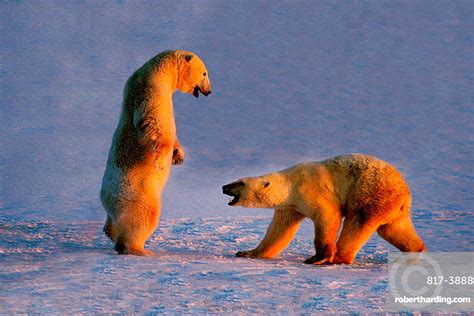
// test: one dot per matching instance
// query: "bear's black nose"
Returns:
(230, 188)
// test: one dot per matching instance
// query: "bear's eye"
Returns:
(266, 184)
(204, 74)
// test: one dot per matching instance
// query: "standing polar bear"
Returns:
(369, 193)
(145, 145)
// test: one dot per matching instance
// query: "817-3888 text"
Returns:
(451, 280)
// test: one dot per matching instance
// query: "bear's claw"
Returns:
(178, 156)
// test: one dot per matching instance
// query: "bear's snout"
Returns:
(233, 189)
(197, 89)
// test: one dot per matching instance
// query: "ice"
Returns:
(292, 81)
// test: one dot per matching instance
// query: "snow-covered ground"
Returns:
(71, 268)
(292, 81)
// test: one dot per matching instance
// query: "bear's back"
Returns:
(368, 175)
(354, 165)
(364, 170)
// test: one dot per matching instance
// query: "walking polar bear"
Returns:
(145, 145)
(369, 193)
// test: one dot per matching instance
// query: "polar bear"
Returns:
(368, 193)
(145, 145)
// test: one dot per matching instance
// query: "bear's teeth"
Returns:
(229, 200)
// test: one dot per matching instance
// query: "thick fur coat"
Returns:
(368, 193)
(145, 145)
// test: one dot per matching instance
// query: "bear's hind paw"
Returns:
(246, 254)
(317, 260)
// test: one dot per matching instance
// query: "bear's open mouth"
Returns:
(232, 189)
(233, 200)
(234, 196)
(197, 90)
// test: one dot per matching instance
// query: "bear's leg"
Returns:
(109, 229)
(353, 236)
(325, 235)
(401, 233)
(135, 228)
(279, 234)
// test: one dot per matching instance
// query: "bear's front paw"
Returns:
(246, 254)
(178, 156)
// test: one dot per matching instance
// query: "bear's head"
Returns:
(193, 75)
(267, 191)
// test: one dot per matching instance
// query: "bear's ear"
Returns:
(188, 57)
(266, 184)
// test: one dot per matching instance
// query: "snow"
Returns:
(72, 269)
(291, 82)
(64, 268)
